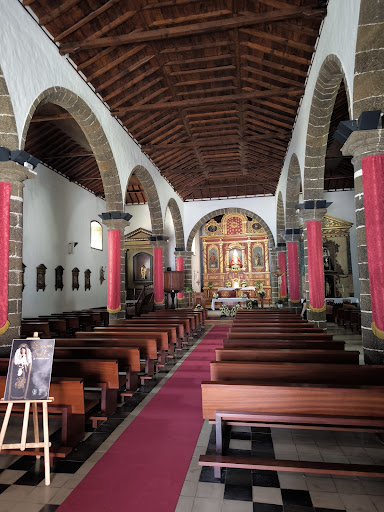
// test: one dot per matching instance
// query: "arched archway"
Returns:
(280, 218)
(292, 193)
(152, 197)
(177, 223)
(327, 85)
(94, 133)
(223, 211)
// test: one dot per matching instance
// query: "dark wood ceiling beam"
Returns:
(216, 69)
(85, 20)
(54, 13)
(198, 60)
(55, 117)
(212, 80)
(273, 76)
(284, 41)
(292, 27)
(131, 84)
(269, 120)
(218, 112)
(95, 58)
(215, 120)
(215, 99)
(276, 53)
(200, 92)
(168, 3)
(188, 30)
(139, 91)
(197, 47)
(273, 114)
(124, 72)
(151, 128)
(153, 133)
(121, 18)
(115, 62)
(147, 120)
(168, 132)
(275, 65)
(199, 17)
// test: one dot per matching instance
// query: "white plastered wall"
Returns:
(51, 221)
(31, 64)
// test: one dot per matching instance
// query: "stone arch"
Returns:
(327, 85)
(177, 222)
(152, 196)
(280, 218)
(292, 193)
(368, 93)
(223, 211)
(94, 133)
(8, 130)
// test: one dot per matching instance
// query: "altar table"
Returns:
(230, 301)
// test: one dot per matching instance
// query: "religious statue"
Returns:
(143, 271)
(212, 260)
(235, 260)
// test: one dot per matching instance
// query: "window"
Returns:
(96, 235)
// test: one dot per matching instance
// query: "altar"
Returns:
(229, 301)
(235, 257)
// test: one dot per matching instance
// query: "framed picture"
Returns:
(258, 257)
(142, 267)
(213, 258)
(29, 370)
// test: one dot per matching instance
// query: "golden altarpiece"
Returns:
(235, 255)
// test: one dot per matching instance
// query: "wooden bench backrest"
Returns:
(367, 401)
(186, 322)
(65, 391)
(289, 355)
(283, 335)
(93, 371)
(171, 331)
(282, 343)
(126, 356)
(147, 347)
(153, 322)
(160, 337)
(28, 328)
(274, 328)
(317, 373)
(193, 319)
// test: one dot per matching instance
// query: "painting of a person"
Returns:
(20, 372)
(143, 271)
(212, 259)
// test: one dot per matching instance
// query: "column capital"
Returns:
(116, 221)
(14, 172)
(292, 235)
(184, 254)
(313, 214)
(364, 143)
(281, 247)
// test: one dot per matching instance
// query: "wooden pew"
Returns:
(283, 372)
(147, 347)
(28, 328)
(251, 328)
(153, 322)
(273, 343)
(170, 333)
(85, 320)
(198, 315)
(289, 355)
(69, 402)
(128, 359)
(186, 322)
(161, 339)
(282, 335)
(318, 406)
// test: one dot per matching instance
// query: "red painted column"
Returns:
(158, 275)
(315, 266)
(373, 186)
(293, 272)
(283, 272)
(5, 200)
(180, 266)
(113, 294)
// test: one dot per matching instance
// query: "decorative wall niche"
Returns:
(40, 277)
(75, 278)
(87, 279)
(59, 278)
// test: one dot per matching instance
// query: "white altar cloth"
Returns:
(230, 301)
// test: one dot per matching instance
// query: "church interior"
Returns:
(190, 208)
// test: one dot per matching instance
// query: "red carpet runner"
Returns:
(145, 468)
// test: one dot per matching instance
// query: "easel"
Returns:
(45, 444)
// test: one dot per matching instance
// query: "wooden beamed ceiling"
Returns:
(209, 89)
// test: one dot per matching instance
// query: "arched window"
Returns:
(96, 235)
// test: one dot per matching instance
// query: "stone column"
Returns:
(159, 243)
(361, 144)
(14, 174)
(274, 278)
(282, 270)
(116, 271)
(187, 262)
(313, 259)
(292, 238)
